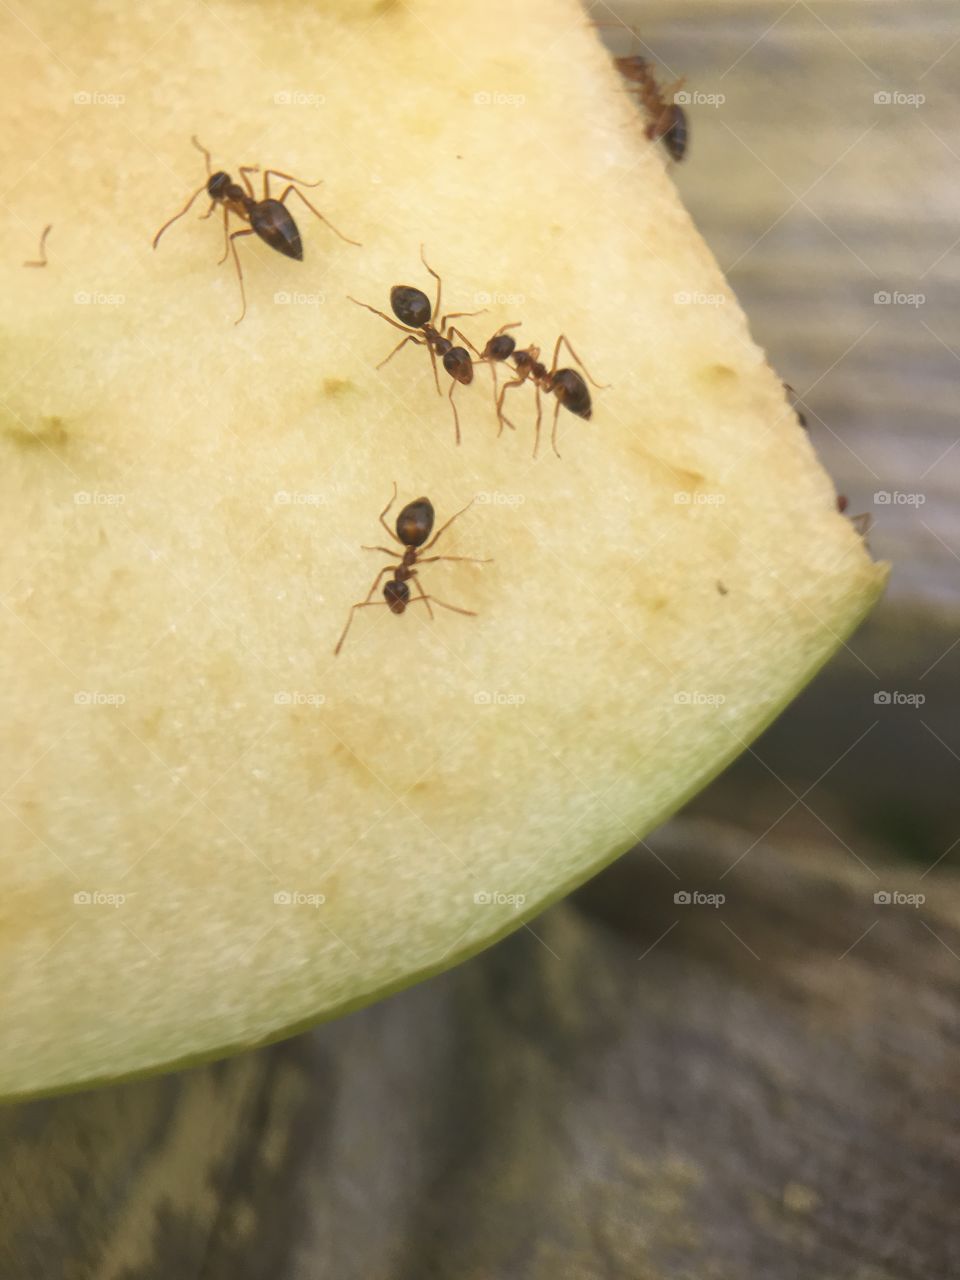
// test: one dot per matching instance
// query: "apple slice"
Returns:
(216, 832)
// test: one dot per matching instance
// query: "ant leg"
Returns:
(469, 613)
(313, 209)
(206, 154)
(404, 328)
(436, 305)
(423, 596)
(246, 231)
(433, 361)
(226, 237)
(171, 221)
(287, 177)
(556, 423)
(602, 386)
(536, 438)
(501, 416)
(461, 334)
(456, 417)
(384, 512)
(464, 559)
(364, 604)
(243, 171)
(402, 343)
(456, 514)
(203, 217)
(386, 551)
(455, 315)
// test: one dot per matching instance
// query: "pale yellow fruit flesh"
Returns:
(654, 598)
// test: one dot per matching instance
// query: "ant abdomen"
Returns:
(500, 347)
(274, 225)
(458, 364)
(415, 522)
(571, 390)
(397, 595)
(411, 306)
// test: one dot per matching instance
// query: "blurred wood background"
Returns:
(632, 1088)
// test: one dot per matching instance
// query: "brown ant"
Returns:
(666, 120)
(269, 219)
(413, 527)
(795, 405)
(412, 308)
(861, 523)
(42, 260)
(566, 384)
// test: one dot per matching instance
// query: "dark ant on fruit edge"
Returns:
(268, 218)
(666, 119)
(566, 385)
(862, 522)
(795, 405)
(413, 527)
(413, 310)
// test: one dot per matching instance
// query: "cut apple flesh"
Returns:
(216, 832)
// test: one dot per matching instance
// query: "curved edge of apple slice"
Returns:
(475, 947)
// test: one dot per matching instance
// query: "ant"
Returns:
(861, 523)
(795, 405)
(269, 219)
(666, 120)
(42, 260)
(566, 384)
(412, 308)
(413, 527)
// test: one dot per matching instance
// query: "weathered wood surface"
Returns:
(636, 1089)
(644, 1090)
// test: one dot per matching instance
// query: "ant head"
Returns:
(411, 306)
(458, 364)
(500, 347)
(415, 522)
(571, 391)
(397, 595)
(217, 185)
